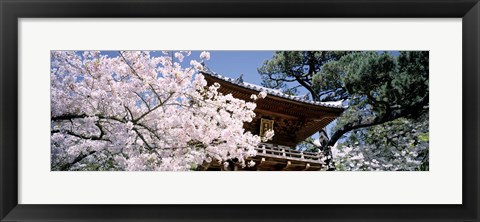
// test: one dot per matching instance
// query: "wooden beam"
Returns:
(277, 114)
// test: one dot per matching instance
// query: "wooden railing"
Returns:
(265, 149)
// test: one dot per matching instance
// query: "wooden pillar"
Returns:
(225, 166)
(261, 162)
(307, 166)
(206, 166)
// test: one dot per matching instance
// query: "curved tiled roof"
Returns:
(269, 91)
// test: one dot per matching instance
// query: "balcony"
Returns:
(272, 157)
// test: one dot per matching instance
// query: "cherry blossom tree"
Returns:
(139, 112)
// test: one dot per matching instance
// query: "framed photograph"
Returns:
(324, 110)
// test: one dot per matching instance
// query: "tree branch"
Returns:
(70, 116)
(413, 111)
(81, 136)
(133, 70)
(145, 102)
(153, 109)
(308, 87)
(67, 166)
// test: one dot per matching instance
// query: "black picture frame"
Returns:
(11, 11)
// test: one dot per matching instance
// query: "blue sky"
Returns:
(234, 63)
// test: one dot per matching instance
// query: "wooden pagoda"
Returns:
(292, 118)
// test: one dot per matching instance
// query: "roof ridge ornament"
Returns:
(306, 97)
(205, 67)
(239, 79)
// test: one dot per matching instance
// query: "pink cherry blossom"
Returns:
(205, 55)
(179, 56)
(262, 95)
